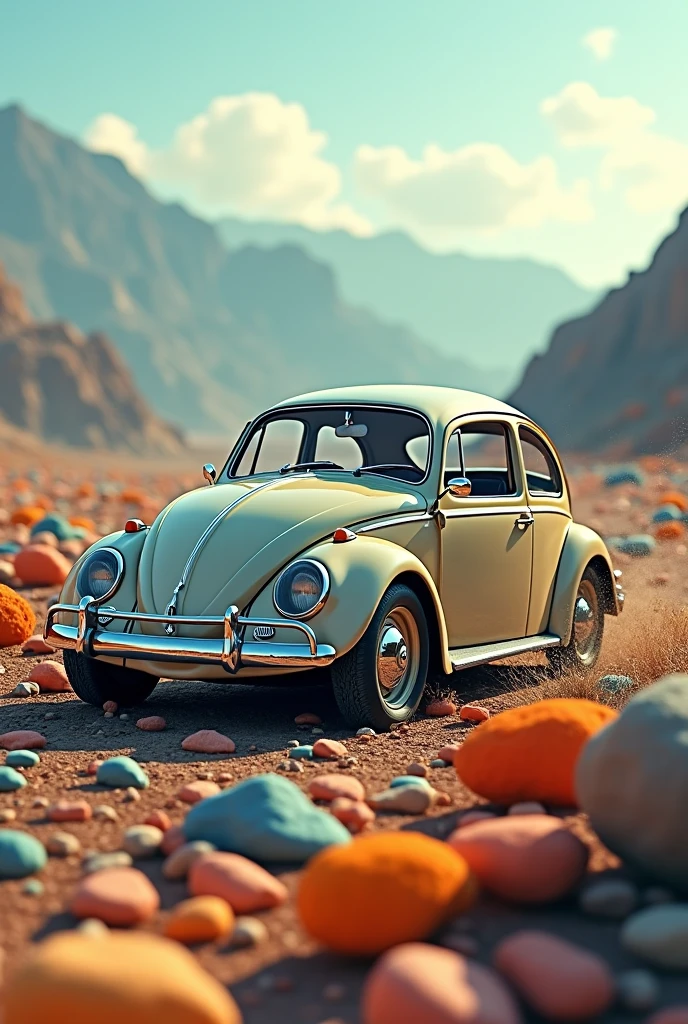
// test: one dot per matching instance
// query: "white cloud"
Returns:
(251, 154)
(600, 42)
(651, 168)
(479, 187)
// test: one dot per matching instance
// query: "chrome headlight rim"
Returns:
(324, 591)
(119, 561)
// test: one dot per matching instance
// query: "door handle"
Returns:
(525, 519)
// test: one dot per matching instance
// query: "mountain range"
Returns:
(621, 371)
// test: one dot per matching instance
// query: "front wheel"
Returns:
(97, 681)
(583, 649)
(380, 681)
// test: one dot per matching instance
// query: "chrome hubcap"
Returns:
(585, 619)
(398, 653)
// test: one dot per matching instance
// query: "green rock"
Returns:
(10, 780)
(121, 772)
(22, 759)
(21, 854)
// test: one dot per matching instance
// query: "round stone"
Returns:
(10, 779)
(153, 723)
(21, 854)
(248, 931)
(329, 787)
(200, 919)
(609, 897)
(50, 677)
(180, 860)
(659, 935)
(121, 773)
(638, 990)
(22, 738)
(329, 750)
(409, 799)
(193, 792)
(208, 741)
(63, 844)
(117, 896)
(22, 759)
(527, 807)
(101, 861)
(246, 886)
(304, 752)
(355, 814)
(70, 810)
(142, 840)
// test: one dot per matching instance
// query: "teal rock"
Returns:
(58, 526)
(615, 684)
(10, 780)
(409, 780)
(121, 772)
(639, 545)
(22, 759)
(303, 752)
(624, 475)
(667, 514)
(632, 782)
(33, 887)
(20, 854)
(267, 819)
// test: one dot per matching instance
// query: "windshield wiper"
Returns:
(289, 468)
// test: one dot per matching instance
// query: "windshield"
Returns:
(359, 439)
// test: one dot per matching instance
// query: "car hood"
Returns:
(232, 538)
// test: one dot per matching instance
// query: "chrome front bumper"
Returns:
(231, 651)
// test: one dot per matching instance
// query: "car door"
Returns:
(549, 505)
(486, 540)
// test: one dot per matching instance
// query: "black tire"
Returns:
(361, 697)
(583, 649)
(97, 681)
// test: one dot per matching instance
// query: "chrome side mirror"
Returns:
(459, 487)
(210, 473)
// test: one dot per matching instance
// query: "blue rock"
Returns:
(122, 772)
(615, 684)
(10, 780)
(302, 753)
(667, 514)
(408, 780)
(22, 759)
(267, 819)
(639, 545)
(20, 854)
(33, 887)
(624, 475)
(57, 525)
(10, 548)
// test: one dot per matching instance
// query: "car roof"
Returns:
(439, 404)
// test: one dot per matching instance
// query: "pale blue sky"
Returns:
(399, 74)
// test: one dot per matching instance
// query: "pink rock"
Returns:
(22, 739)
(246, 886)
(39, 565)
(524, 858)
(470, 817)
(559, 980)
(447, 753)
(159, 819)
(193, 792)
(415, 982)
(670, 1015)
(328, 787)
(355, 814)
(441, 708)
(92, 767)
(70, 810)
(118, 896)
(50, 676)
(330, 750)
(420, 770)
(308, 718)
(110, 707)
(473, 713)
(154, 723)
(36, 645)
(208, 741)
(174, 838)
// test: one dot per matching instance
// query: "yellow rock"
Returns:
(127, 978)
(200, 919)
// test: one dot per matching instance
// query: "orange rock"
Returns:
(193, 792)
(27, 515)
(441, 708)
(246, 886)
(41, 566)
(111, 706)
(174, 838)
(328, 787)
(523, 858)
(208, 741)
(355, 814)
(17, 619)
(200, 919)
(382, 889)
(557, 979)
(36, 645)
(330, 750)
(159, 819)
(530, 752)
(117, 896)
(68, 810)
(84, 522)
(674, 498)
(447, 753)
(50, 676)
(154, 723)
(672, 530)
(473, 713)
(22, 739)
(119, 976)
(308, 718)
(420, 984)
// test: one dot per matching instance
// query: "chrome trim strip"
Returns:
(466, 657)
(487, 510)
(555, 509)
(379, 524)
(230, 650)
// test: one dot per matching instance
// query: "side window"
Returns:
(542, 473)
(342, 450)
(274, 444)
(487, 459)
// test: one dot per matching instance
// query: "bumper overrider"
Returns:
(232, 651)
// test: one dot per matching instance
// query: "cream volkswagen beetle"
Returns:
(379, 532)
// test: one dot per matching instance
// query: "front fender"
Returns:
(581, 547)
(130, 545)
(360, 572)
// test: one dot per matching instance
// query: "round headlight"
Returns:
(100, 574)
(301, 589)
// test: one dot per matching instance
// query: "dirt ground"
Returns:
(287, 978)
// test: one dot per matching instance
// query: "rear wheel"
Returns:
(583, 649)
(97, 681)
(380, 681)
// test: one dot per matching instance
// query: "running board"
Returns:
(466, 657)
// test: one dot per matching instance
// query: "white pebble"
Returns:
(63, 844)
(248, 931)
(142, 840)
